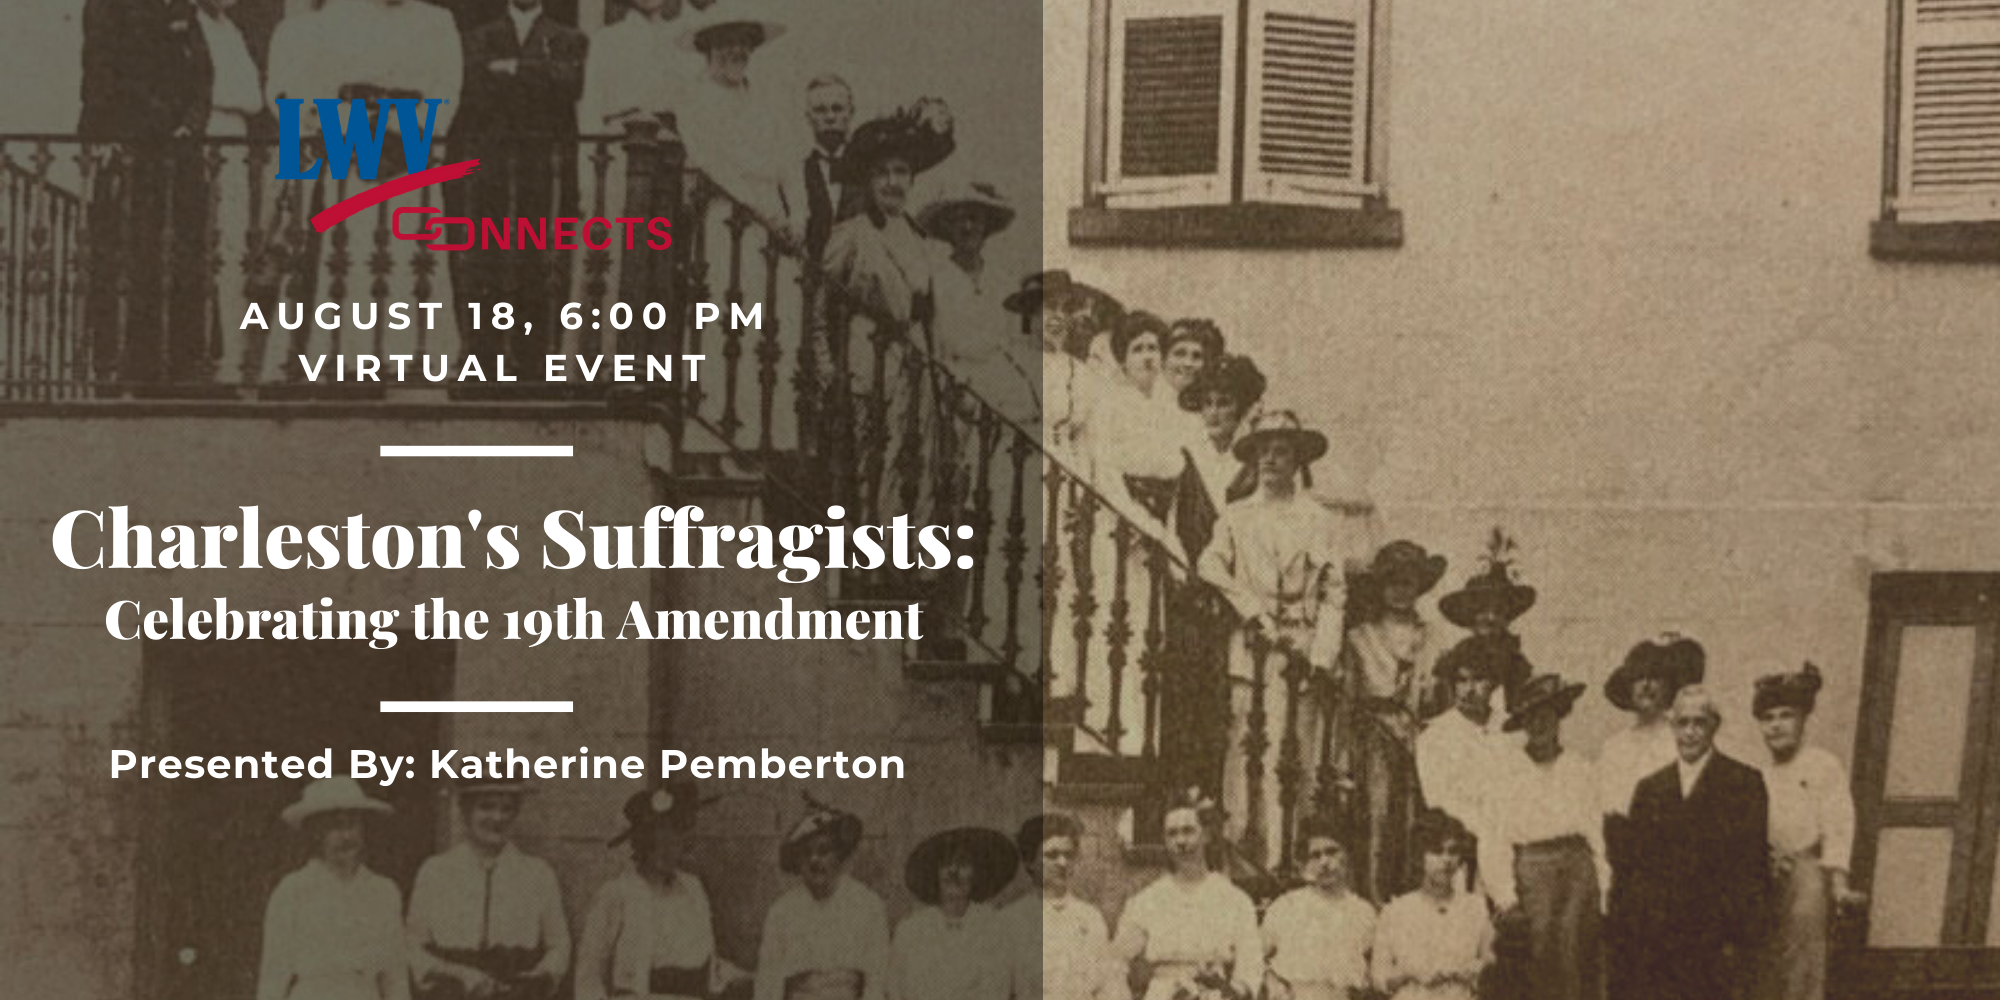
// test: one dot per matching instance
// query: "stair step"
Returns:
(1023, 733)
(954, 670)
(1098, 792)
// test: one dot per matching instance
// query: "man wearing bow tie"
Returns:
(146, 82)
(830, 113)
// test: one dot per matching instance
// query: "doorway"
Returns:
(212, 850)
(1927, 790)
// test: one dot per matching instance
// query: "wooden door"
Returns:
(1927, 783)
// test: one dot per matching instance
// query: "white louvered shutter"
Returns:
(1172, 114)
(1306, 138)
(1950, 143)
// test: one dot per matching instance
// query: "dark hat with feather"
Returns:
(919, 135)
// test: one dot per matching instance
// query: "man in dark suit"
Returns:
(523, 76)
(1692, 893)
(146, 82)
(830, 113)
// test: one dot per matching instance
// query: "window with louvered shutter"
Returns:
(1171, 119)
(1949, 147)
(1307, 129)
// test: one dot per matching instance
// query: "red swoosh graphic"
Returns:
(334, 213)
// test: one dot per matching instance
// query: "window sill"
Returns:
(1244, 226)
(1958, 242)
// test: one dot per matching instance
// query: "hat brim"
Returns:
(773, 30)
(1618, 687)
(996, 215)
(1462, 607)
(492, 788)
(1424, 575)
(994, 861)
(1564, 698)
(296, 814)
(1311, 445)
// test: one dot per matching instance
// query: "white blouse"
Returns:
(1417, 936)
(328, 937)
(1207, 922)
(1629, 756)
(1061, 948)
(849, 930)
(635, 926)
(937, 958)
(1285, 558)
(633, 69)
(1534, 802)
(1317, 940)
(1811, 805)
(459, 903)
(237, 93)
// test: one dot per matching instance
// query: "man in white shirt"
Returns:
(485, 918)
(1542, 852)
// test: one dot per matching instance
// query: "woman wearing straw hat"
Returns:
(1812, 836)
(1542, 852)
(486, 918)
(826, 938)
(650, 932)
(1280, 557)
(732, 130)
(953, 947)
(333, 928)
(1386, 675)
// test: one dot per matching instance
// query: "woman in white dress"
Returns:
(650, 932)
(334, 929)
(1281, 557)
(1192, 925)
(1644, 684)
(633, 72)
(954, 946)
(1434, 943)
(1388, 684)
(361, 49)
(1812, 838)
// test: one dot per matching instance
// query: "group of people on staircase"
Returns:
(1663, 869)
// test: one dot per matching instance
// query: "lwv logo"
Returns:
(354, 142)
(357, 143)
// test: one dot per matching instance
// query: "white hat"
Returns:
(750, 12)
(977, 196)
(332, 795)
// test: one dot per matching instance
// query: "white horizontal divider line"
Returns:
(479, 706)
(478, 451)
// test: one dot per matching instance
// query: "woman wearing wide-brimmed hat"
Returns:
(334, 929)
(1386, 690)
(953, 947)
(485, 917)
(733, 131)
(826, 938)
(650, 932)
(1281, 557)
(1812, 837)
(881, 257)
(1542, 852)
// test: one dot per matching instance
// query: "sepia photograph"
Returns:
(1285, 500)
